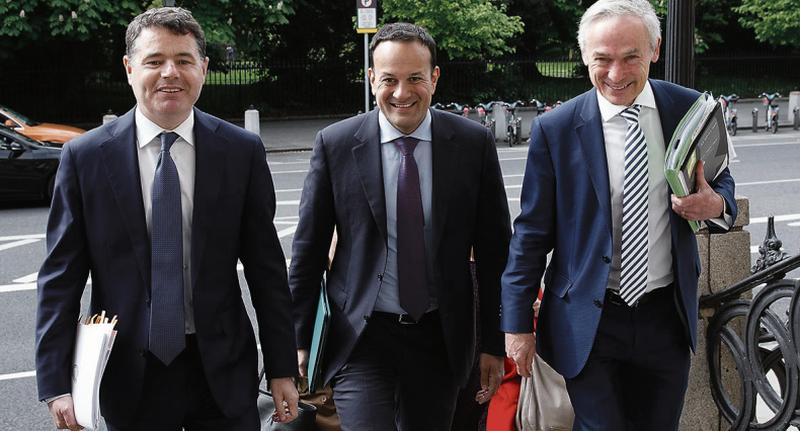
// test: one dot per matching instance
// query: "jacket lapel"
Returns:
(445, 162)
(121, 160)
(590, 131)
(210, 161)
(367, 156)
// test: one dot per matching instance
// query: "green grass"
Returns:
(558, 69)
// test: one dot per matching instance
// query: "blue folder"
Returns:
(318, 340)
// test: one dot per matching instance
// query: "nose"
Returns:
(616, 71)
(169, 69)
(400, 91)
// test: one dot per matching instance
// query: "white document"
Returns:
(92, 349)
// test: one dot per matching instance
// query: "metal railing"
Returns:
(761, 336)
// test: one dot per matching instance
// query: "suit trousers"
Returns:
(176, 397)
(637, 372)
(397, 378)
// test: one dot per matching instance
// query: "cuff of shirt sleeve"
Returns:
(51, 399)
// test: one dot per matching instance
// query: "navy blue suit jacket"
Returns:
(566, 209)
(97, 225)
(344, 189)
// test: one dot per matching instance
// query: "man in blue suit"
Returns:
(619, 312)
(158, 206)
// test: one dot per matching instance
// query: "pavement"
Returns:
(298, 134)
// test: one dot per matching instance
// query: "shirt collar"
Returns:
(389, 133)
(609, 110)
(147, 131)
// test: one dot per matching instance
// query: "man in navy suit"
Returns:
(158, 206)
(619, 312)
(403, 327)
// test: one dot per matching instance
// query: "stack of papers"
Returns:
(700, 135)
(93, 343)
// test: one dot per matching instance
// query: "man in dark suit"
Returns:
(620, 309)
(411, 192)
(158, 206)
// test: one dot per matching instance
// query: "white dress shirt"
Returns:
(659, 253)
(182, 152)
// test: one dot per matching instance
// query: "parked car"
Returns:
(45, 132)
(27, 167)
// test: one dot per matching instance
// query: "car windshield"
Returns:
(6, 111)
(19, 136)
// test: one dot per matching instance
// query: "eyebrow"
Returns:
(161, 54)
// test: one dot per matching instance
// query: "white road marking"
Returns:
(30, 278)
(22, 375)
(288, 203)
(513, 158)
(19, 237)
(778, 218)
(288, 191)
(19, 287)
(17, 243)
(766, 144)
(300, 171)
(758, 183)
(286, 232)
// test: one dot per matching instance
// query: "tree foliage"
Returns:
(776, 22)
(463, 29)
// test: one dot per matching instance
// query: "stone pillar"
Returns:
(725, 259)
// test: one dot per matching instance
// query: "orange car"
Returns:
(46, 132)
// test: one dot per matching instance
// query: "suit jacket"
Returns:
(566, 208)
(344, 189)
(97, 225)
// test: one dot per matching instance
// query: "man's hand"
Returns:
(521, 348)
(491, 376)
(703, 204)
(302, 362)
(285, 396)
(63, 413)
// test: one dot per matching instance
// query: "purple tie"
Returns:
(411, 272)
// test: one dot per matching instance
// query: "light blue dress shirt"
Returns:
(388, 297)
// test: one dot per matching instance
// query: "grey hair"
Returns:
(604, 9)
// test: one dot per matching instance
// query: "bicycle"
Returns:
(513, 122)
(729, 112)
(772, 111)
(484, 109)
(464, 110)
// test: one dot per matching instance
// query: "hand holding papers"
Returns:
(93, 343)
(700, 135)
(318, 340)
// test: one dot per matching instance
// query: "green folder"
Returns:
(318, 340)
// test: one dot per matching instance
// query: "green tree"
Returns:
(463, 29)
(776, 22)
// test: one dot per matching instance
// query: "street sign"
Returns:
(367, 16)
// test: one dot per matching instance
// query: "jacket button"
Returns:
(380, 276)
(606, 259)
(366, 317)
(147, 302)
(598, 303)
(143, 352)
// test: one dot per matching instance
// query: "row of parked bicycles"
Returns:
(487, 115)
(771, 113)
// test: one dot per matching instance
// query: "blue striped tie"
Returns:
(633, 267)
(167, 334)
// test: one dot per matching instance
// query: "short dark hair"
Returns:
(404, 32)
(175, 19)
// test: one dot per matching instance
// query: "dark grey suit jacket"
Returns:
(344, 189)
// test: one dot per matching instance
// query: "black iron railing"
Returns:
(761, 337)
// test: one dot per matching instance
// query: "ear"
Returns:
(657, 50)
(371, 76)
(126, 62)
(205, 66)
(435, 77)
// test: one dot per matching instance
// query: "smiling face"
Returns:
(618, 55)
(166, 73)
(403, 82)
